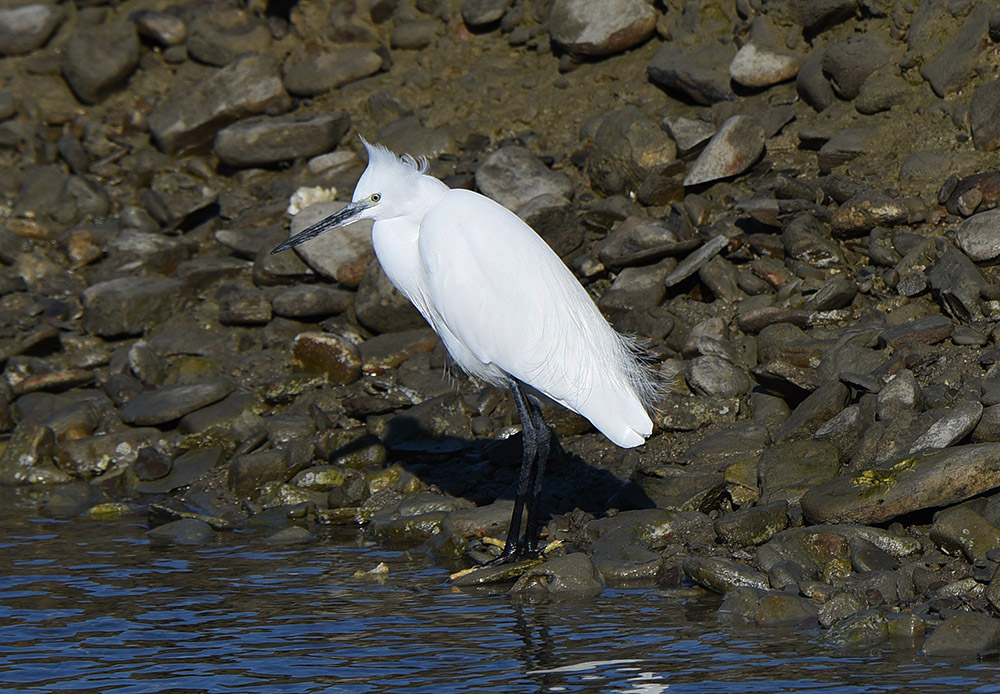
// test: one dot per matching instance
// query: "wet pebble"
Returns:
(186, 531)
(570, 577)
(964, 635)
(332, 355)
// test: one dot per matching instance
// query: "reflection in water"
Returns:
(89, 607)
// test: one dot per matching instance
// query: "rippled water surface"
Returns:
(94, 607)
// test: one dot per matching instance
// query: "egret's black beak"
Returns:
(339, 218)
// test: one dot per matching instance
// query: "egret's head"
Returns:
(385, 190)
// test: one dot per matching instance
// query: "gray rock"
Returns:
(100, 58)
(184, 470)
(964, 635)
(243, 306)
(479, 13)
(264, 140)
(952, 428)
(837, 292)
(162, 27)
(414, 35)
(570, 577)
(822, 404)
(812, 85)
(601, 28)
(838, 608)
(341, 254)
(220, 34)
(700, 73)
(731, 151)
(845, 146)
(978, 235)
(95, 455)
(848, 63)
(311, 301)
(235, 417)
(319, 72)
(628, 147)
(408, 135)
(25, 28)
(927, 331)
(901, 394)
(130, 305)
(754, 525)
(689, 134)
(950, 70)
(513, 175)
(186, 531)
(758, 66)
(817, 16)
(711, 375)
(695, 261)
(167, 403)
(882, 90)
(192, 116)
(983, 120)
(928, 479)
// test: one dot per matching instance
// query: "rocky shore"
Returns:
(793, 204)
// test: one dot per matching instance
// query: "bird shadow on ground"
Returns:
(484, 470)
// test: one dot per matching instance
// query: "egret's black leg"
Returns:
(535, 438)
(532, 531)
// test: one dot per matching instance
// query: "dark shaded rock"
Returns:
(702, 74)
(478, 13)
(755, 607)
(266, 140)
(167, 403)
(184, 470)
(552, 217)
(186, 531)
(812, 85)
(754, 525)
(848, 63)
(928, 479)
(589, 28)
(319, 72)
(822, 404)
(99, 58)
(27, 458)
(962, 530)
(964, 635)
(381, 308)
(861, 630)
(129, 305)
(816, 16)
(192, 117)
(950, 70)
(982, 114)
(787, 470)
(248, 473)
(570, 577)
(311, 301)
(220, 34)
(722, 575)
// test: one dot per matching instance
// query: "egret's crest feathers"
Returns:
(380, 158)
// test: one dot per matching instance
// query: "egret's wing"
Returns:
(509, 300)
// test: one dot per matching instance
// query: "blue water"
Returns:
(87, 606)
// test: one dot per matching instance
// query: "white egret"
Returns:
(506, 307)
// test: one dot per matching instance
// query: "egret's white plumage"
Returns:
(502, 301)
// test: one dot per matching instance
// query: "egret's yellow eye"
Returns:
(375, 197)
